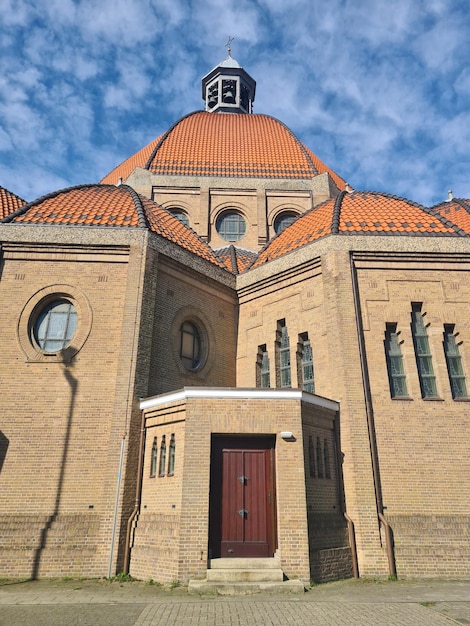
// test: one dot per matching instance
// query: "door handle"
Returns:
(242, 479)
(243, 513)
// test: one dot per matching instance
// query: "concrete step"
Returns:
(204, 587)
(237, 563)
(244, 575)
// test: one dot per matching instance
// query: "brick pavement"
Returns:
(364, 602)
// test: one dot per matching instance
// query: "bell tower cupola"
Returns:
(228, 88)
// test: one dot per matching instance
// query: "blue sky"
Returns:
(378, 89)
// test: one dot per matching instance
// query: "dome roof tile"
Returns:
(456, 210)
(226, 144)
(9, 202)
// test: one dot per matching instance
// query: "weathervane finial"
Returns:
(228, 45)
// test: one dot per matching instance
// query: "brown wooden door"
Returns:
(242, 496)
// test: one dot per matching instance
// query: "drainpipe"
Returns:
(370, 425)
(138, 494)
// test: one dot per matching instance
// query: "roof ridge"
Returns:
(139, 207)
(165, 135)
(336, 213)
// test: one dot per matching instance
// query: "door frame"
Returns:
(219, 442)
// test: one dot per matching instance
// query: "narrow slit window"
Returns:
(326, 458)
(311, 457)
(427, 380)
(171, 455)
(284, 355)
(319, 459)
(162, 464)
(457, 381)
(305, 364)
(263, 375)
(394, 357)
(153, 458)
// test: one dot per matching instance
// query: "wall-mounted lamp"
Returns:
(286, 435)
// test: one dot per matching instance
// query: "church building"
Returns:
(222, 355)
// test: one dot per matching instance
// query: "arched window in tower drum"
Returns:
(153, 458)
(171, 455)
(283, 344)
(263, 374)
(305, 372)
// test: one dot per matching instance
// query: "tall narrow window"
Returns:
(311, 457)
(262, 368)
(162, 464)
(393, 355)
(171, 456)
(153, 458)
(319, 459)
(427, 379)
(326, 458)
(283, 350)
(305, 364)
(458, 385)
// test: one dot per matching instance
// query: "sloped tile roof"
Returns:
(358, 213)
(227, 145)
(110, 206)
(457, 211)
(236, 260)
(125, 169)
(9, 202)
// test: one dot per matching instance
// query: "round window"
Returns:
(283, 220)
(231, 226)
(180, 215)
(190, 346)
(55, 326)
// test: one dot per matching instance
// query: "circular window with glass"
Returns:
(231, 225)
(55, 326)
(283, 220)
(190, 346)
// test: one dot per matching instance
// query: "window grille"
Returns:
(190, 348)
(394, 357)
(458, 385)
(427, 379)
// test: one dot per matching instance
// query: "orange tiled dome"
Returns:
(9, 202)
(457, 210)
(359, 213)
(110, 206)
(226, 145)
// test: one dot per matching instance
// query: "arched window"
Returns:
(427, 380)
(283, 373)
(231, 225)
(162, 464)
(55, 326)
(190, 345)
(283, 220)
(171, 456)
(153, 458)
(180, 215)
(458, 385)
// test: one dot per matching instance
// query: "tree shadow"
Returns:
(67, 356)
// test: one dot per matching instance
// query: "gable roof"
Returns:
(112, 207)
(456, 210)
(358, 213)
(227, 145)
